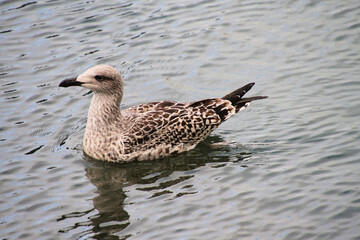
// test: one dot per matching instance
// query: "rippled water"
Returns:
(292, 170)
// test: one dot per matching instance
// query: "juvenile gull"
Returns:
(151, 130)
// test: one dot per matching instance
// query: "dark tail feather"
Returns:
(236, 99)
(236, 95)
(249, 99)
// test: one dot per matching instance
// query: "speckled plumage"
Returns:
(152, 130)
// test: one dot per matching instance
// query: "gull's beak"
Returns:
(70, 82)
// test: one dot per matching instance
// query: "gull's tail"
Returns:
(236, 97)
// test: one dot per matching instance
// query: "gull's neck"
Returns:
(104, 113)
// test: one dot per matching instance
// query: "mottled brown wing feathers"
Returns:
(147, 107)
(173, 123)
(216, 110)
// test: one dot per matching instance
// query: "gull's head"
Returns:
(101, 79)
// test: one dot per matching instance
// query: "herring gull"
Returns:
(151, 130)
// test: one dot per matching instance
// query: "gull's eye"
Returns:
(99, 78)
(102, 78)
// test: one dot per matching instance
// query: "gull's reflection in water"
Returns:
(108, 217)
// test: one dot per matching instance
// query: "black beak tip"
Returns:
(69, 82)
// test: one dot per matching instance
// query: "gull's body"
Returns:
(147, 131)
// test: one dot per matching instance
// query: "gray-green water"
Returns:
(292, 172)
